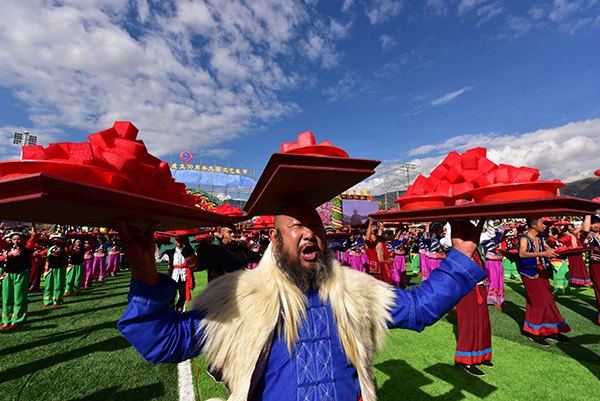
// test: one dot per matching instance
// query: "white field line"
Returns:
(186, 384)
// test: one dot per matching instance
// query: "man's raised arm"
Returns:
(155, 330)
(456, 276)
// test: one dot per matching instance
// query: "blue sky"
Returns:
(398, 81)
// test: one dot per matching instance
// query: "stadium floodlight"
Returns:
(18, 138)
(24, 139)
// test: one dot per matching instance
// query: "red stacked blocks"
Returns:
(118, 149)
(458, 174)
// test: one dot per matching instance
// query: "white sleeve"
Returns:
(446, 241)
(489, 232)
(160, 257)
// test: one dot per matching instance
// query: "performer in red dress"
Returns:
(590, 235)
(542, 318)
(474, 342)
(37, 268)
(578, 271)
(377, 252)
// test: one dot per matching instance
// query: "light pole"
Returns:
(24, 139)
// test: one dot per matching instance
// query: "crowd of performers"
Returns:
(520, 251)
(68, 259)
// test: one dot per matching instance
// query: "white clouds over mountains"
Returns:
(559, 153)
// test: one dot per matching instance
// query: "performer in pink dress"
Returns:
(88, 261)
(114, 257)
(99, 264)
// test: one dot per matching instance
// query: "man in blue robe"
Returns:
(300, 325)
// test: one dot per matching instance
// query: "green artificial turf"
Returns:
(75, 352)
(204, 385)
(420, 366)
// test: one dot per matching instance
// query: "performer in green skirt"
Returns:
(508, 245)
(509, 264)
(414, 262)
(561, 276)
(74, 268)
(55, 273)
(15, 285)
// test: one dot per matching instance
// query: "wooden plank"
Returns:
(312, 178)
(45, 198)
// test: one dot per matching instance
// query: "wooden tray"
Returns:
(184, 233)
(552, 206)
(44, 198)
(573, 251)
(313, 178)
(338, 235)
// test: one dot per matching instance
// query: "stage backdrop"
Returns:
(357, 211)
(195, 179)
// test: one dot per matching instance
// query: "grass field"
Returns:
(74, 352)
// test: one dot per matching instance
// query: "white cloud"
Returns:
(319, 48)
(337, 30)
(438, 7)
(572, 27)
(563, 9)
(519, 26)
(380, 11)
(568, 152)
(448, 97)
(387, 42)
(466, 6)
(204, 72)
(345, 90)
(143, 10)
(537, 12)
(347, 5)
(489, 12)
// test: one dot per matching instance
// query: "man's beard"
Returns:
(305, 279)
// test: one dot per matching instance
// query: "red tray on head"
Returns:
(423, 202)
(338, 235)
(239, 219)
(316, 179)
(551, 206)
(192, 232)
(44, 198)
(573, 251)
(516, 191)
(50, 242)
(161, 239)
(318, 150)
(84, 173)
(263, 227)
(80, 235)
